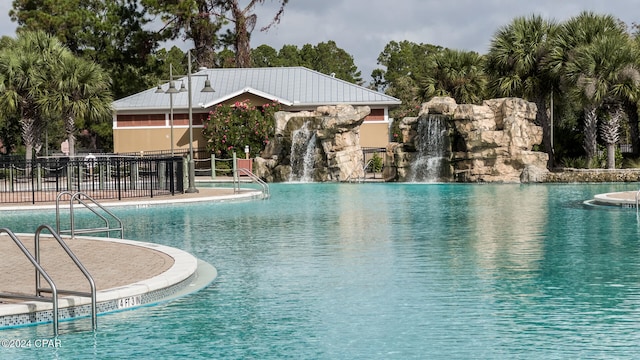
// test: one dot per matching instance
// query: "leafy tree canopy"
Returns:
(115, 34)
(326, 57)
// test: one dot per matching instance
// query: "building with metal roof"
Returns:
(147, 121)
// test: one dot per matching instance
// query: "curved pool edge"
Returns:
(186, 276)
(625, 199)
(205, 195)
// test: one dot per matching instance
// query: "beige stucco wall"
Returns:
(374, 134)
(127, 140)
(153, 139)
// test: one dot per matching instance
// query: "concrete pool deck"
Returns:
(622, 199)
(127, 274)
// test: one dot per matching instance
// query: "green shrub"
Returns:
(574, 163)
(231, 127)
(223, 169)
(631, 163)
(376, 163)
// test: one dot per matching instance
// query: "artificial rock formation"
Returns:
(491, 142)
(337, 155)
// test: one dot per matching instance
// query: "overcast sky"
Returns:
(364, 27)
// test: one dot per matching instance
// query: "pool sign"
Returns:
(128, 302)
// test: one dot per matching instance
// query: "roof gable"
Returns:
(291, 86)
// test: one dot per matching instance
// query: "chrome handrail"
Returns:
(39, 272)
(72, 256)
(236, 182)
(77, 196)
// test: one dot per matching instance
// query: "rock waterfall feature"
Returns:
(430, 142)
(303, 151)
(320, 145)
(492, 142)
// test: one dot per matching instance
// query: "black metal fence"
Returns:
(100, 176)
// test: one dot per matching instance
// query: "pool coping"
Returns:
(625, 199)
(202, 196)
(187, 275)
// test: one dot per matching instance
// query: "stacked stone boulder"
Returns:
(492, 142)
(338, 155)
(499, 137)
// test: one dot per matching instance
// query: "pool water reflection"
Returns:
(383, 271)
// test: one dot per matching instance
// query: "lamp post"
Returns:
(192, 165)
(172, 90)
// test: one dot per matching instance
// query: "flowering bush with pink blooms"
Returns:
(231, 127)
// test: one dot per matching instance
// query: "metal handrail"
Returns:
(637, 200)
(236, 182)
(39, 271)
(72, 256)
(73, 231)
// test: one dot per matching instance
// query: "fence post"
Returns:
(119, 183)
(172, 176)
(108, 177)
(69, 176)
(213, 166)
(11, 177)
(235, 167)
(39, 177)
(179, 168)
(185, 170)
(134, 174)
(162, 174)
(101, 174)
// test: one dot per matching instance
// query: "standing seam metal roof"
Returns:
(297, 86)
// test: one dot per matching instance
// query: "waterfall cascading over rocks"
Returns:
(332, 151)
(492, 142)
(430, 143)
(302, 155)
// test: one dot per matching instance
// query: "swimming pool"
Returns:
(382, 271)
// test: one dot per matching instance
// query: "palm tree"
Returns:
(24, 69)
(630, 104)
(610, 133)
(598, 68)
(515, 63)
(80, 90)
(458, 74)
(585, 58)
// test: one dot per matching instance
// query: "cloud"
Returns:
(364, 27)
(7, 28)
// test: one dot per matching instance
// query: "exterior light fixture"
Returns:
(207, 86)
(172, 90)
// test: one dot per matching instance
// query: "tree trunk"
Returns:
(590, 133)
(203, 33)
(631, 109)
(72, 145)
(611, 156)
(610, 134)
(243, 37)
(28, 136)
(70, 129)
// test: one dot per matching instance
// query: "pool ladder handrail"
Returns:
(77, 196)
(40, 273)
(92, 285)
(637, 200)
(266, 194)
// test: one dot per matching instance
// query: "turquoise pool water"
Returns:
(382, 271)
